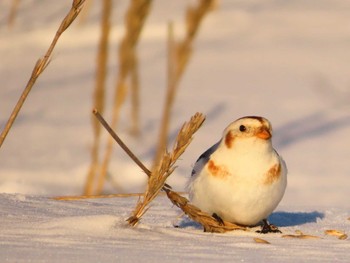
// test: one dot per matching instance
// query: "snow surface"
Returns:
(285, 60)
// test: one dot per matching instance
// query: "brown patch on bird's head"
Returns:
(260, 119)
(219, 171)
(229, 139)
(247, 127)
(273, 174)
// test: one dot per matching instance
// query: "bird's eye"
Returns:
(242, 128)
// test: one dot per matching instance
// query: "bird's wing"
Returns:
(203, 159)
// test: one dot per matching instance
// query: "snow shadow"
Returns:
(313, 125)
(294, 218)
(280, 219)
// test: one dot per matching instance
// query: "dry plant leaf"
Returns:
(343, 237)
(261, 241)
(339, 234)
(333, 232)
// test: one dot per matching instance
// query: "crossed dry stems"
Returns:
(159, 175)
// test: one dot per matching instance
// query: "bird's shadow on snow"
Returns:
(280, 219)
(283, 219)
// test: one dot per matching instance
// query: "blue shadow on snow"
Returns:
(280, 219)
(294, 218)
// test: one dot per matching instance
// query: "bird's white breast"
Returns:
(240, 186)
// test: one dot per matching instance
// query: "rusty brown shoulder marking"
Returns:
(217, 170)
(273, 174)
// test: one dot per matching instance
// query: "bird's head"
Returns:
(250, 127)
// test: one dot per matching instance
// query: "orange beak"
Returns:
(264, 134)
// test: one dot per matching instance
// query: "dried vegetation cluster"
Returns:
(179, 54)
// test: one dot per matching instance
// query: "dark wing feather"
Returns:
(203, 159)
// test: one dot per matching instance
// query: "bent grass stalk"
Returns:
(135, 18)
(99, 94)
(178, 56)
(41, 65)
(158, 177)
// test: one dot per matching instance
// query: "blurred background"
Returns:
(285, 60)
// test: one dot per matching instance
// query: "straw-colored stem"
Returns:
(135, 18)
(82, 197)
(120, 142)
(169, 99)
(99, 94)
(209, 223)
(40, 66)
(135, 97)
(178, 57)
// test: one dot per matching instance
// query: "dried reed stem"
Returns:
(41, 64)
(135, 98)
(99, 94)
(169, 99)
(120, 142)
(83, 197)
(135, 19)
(178, 57)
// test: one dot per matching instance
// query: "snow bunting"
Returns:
(240, 179)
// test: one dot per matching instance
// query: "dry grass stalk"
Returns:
(120, 142)
(99, 94)
(178, 57)
(135, 98)
(41, 64)
(82, 197)
(159, 175)
(135, 18)
(209, 223)
(169, 99)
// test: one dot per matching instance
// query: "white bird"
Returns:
(240, 179)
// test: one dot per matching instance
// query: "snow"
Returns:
(285, 60)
